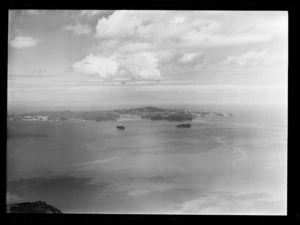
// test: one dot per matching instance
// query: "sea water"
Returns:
(232, 165)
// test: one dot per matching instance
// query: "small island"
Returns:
(120, 127)
(187, 125)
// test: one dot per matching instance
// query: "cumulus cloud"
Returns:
(189, 28)
(137, 66)
(95, 64)
(141, 42)
(79, 29)
(141, 66)
(23, 42)
(120, 23)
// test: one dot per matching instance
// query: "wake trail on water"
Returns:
(240, 153)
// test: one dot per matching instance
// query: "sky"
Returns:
(75, 59)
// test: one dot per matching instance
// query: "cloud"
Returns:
(120, 23)
(11, 198)
(177, 20)
(233, 204)
(95, 64)
(190, 28)
(136, 47)
(141, 66)
(79, 29)
(195, 38)
(91, 13)
(137, 66)
(188, 57)
(255, 58)
(142, 42)
(137, 186)
(34, 12)
(23, 42)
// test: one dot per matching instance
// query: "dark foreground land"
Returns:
(32, 207)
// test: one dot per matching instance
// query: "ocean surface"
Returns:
(235, 165)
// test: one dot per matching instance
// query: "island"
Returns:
(149, 113)
(120, 127)
(32, 207)
(187, 125)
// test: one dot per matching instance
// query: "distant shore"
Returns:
(150, 113)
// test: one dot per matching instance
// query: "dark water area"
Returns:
(234, 165)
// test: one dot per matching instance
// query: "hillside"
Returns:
(32, 207)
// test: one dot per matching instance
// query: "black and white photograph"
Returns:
(157, 112)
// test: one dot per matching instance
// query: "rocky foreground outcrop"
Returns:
(32, 207)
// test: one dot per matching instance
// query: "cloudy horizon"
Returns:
(84, 57)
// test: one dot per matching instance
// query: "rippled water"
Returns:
(218, 166)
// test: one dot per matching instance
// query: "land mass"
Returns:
(150, 113)
(187, 125)
(32, 207)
